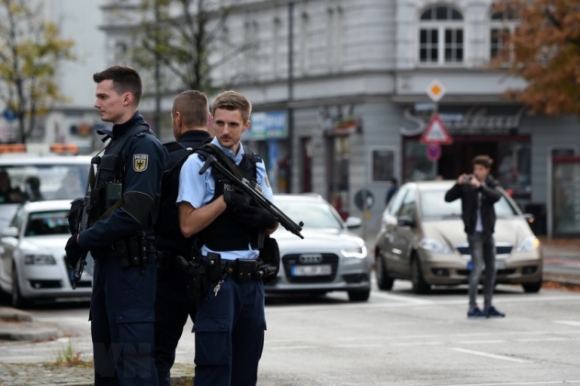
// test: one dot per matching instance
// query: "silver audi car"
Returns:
(329, 258)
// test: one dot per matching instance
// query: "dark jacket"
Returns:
(141, 160)
(470, 202)
(168, 233)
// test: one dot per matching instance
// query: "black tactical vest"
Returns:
(168, 235)
(225, 233)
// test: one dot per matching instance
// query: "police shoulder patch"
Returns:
(140, 162)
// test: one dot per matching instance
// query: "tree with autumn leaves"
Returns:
(545, 51)
(30, 51)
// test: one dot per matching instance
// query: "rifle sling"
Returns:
(226, 160)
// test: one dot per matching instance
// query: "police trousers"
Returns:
(122, 317)
(172, 307)
(229, 334)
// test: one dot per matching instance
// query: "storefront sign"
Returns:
(268, 125)
(339, 120)
(474, 122)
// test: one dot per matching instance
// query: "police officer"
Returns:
(123, 207)
(230, 320)
(189, 118)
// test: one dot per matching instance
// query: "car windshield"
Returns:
(47, 223)
(315, 215)
(21, 183)
(433, 205)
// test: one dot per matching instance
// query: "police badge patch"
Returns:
(140, 162)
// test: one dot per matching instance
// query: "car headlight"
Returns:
(39, 260)
(529, 244)
(434, 245)
(359, 252)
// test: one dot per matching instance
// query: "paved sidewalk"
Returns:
(16, 325)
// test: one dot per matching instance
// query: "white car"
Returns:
(39, 178)
(32, 264)
(329, 258)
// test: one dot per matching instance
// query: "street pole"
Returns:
(290, 95)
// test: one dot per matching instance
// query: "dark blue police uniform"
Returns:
(172, 305)
(230, 320)
(122, 301)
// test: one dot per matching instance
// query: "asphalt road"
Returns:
(396, 338)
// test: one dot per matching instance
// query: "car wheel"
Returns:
(359, 295)
(420, 286)
(384, 282)
(532, 288)
(18, 301)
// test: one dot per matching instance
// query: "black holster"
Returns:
(195, 275)
(132, 251)
(269, 260)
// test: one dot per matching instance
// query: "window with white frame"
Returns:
(441, 36)
(503, 24)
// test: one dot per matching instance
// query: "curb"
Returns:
(569, 280)
(16, 333)
(14, 315)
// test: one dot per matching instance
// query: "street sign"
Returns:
(434, 152)
(364, 199)
(9, 115)
(436, 133)
(436, 91)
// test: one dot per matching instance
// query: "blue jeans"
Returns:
(482, 249)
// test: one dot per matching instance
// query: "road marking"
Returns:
(292, 348)
(357, 346)
(419, 344)
(494, 356)
(543, 340)
(479, 341)
(390, 337)
(401, 298)
(513, 383)
(568, 323)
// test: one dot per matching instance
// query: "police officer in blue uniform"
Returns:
(189, 118)
(124, 203)
(230, 320)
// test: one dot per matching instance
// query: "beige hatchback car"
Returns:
(422, 239)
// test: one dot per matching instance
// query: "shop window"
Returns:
(441, 38)
(383, 165)
(514, 167)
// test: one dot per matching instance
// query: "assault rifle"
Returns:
(83, 224)
(258, 197)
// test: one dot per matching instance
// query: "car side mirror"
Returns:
(406, 222)
(529, 217)
(9, 232)
(353, 222)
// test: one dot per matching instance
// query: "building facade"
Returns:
(75, 120)
(358, 96)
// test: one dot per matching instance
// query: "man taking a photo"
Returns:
(478, 193)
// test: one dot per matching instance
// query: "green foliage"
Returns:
(30, 51)
(67, 357)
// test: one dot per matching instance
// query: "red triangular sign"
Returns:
(436, 133)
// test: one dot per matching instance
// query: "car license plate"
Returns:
(311, 270)
(500, 264)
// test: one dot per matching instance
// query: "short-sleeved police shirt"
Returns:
(198, 190)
